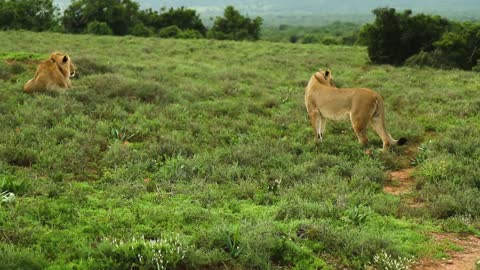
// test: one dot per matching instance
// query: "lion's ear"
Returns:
(65, 59)
(327, 72)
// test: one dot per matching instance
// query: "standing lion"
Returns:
(361, 106)
(52, 74)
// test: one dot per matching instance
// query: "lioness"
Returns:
(361, 105)
(51, 74)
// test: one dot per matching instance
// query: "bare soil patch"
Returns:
(458, 260)
(400, 182)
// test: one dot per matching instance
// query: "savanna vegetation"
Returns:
(335, 33)
(198, 154)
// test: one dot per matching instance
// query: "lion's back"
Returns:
(45, 75)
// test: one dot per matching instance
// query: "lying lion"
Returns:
(52, 74)
(361, 105)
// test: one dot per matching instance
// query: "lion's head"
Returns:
(325, 77)
(64, 62)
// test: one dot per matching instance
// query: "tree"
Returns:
(234, 26)
(461, 48)
(184, 19)
(394, 37)
(119, 15)
(293, 38)
(34, 15)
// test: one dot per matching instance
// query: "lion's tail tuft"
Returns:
(402, 141)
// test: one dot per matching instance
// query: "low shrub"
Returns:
(169, 32)
(99, 28)
(13, 257)
(141, 30)
(88, 66)
(110, 85)
(19, 156)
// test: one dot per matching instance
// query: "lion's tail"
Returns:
(380, 113)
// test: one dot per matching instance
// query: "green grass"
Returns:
(209, 141)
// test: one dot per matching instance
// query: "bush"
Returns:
(308, 39)
(293, 39)
(110, 85)
(88, 66)
(5, 71)
(169, 32)
(99, 28)
(18, 258)
(432, 59)
(19, 156)
(140, 30)
(189, 34)
(330, 41)
(14, 184)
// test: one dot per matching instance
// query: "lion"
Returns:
(323, 100)
(52, 74)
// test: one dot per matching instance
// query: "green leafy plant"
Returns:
(357, 214)
(121, 134)
(232, 242)
(423, 153)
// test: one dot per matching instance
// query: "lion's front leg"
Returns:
(318, 125)
(323, 123)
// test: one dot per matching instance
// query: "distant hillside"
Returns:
(314, 11)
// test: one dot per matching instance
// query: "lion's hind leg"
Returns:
(360, 127)
(378, 125)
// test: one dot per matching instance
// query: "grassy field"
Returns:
(198, 154)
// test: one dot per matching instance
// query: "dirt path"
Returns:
(400, 184)
(459, 260)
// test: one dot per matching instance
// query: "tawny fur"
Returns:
(361, 106)
(52, 74)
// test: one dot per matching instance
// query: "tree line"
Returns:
(124, 17)
(399, 38)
